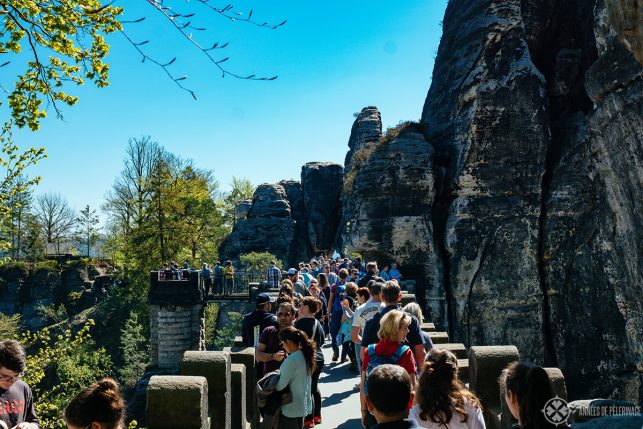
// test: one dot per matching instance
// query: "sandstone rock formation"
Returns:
(292, 220)
(393, 195)
(535, 113)
(322, 186)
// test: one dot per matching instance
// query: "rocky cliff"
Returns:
(516, 201)
(292, 220)
(534, 112)
(24, 287)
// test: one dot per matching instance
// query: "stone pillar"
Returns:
(246, 356)
(177, 402)
(407, 298)
(176, 319)
(485, 366)
(439, 337)
(216, 368)
(458, 349)
(239, 415)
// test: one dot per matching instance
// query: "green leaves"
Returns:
(74, 41)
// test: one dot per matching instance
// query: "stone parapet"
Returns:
(177, 402)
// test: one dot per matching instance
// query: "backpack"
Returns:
(376, 360)
(339, 296)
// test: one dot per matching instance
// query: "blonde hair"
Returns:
(391, 324)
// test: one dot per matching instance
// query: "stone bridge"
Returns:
(215, 389)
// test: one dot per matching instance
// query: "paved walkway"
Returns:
(340, 399)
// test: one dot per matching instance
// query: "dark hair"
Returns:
(313, 304)
(375, 287)
(308, 346)
(323, 280)
(364, 293)
(12, 355)
(530, 385)
(389, 389)
(391, 292)
(343, 273)
(100, 402)
(439, 391)
(228, 263)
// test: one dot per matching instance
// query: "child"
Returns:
(389, 397)
(16, 400)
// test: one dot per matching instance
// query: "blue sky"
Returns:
(332, 58)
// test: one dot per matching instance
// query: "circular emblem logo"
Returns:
(556, 411)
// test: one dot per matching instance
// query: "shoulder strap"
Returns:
(371, 351)
(399, 352)
(314, 329)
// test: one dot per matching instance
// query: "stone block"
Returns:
(239, 415)
(246, 356)
(407, 298)
(439, 337)
(557, 381)
(428, 327)
(177, 402)
(215, 367)
(458, 349)
(463, 370)
(485, 366)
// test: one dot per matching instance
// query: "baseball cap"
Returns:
(263, 298)
(292, 271)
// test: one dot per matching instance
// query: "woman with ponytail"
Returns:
(441, 400)
(527, 389)
(99, 406)
(296, 373)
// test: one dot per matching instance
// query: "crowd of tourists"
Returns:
(405, 382)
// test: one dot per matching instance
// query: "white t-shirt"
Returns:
(364, 312)
(474, 419)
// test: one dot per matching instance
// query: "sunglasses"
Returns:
(10, 377)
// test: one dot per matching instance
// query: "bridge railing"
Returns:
(240, 285)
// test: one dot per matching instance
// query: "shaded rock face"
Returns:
(393, 196)
(300, 249)
(626, 16)
(24, 289)
(486, 114)
(241, 210)
(322, 185)
(535, 116)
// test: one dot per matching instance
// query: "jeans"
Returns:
(218, 285)
(335, 324)
(228, 286)
(314, 388)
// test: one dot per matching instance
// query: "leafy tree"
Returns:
(224, 337)
(135, 351)
(19, 205)
(56, 218)
(73, 360)
(9, 326)
(241, 189)
(87, 229)
(65, 43)
(259, 262)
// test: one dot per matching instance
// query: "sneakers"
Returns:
(335, 357)
(309, 424)
(317, 420)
